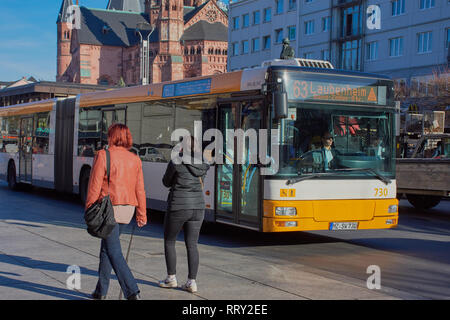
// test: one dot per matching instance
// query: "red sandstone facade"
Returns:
(191, 40)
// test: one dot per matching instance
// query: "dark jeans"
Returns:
(173, 222)
(111, 257)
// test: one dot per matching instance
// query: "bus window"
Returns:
(9, 138)
(134, 119)
(156, 130)
(201, 109)
(41, 134)
(89, 132)
(361, 140)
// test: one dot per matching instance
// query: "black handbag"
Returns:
(99, 216)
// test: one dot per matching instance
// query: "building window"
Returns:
(292, 5)
(266, 43)
(309, 27)
(245, 20)
(351, 55)
(308, 55)
(396, 47)
(424, 42)
(279, 5)
(267, 14)
(85, 72)
(325, 55)
(426, 4)
(308, 1)
(279, 36)
(351, 18)
(256, 17)
(235, 23)
(372, 51)
(291, 32)
(326, 21)
(244, 49)
(255, 44)
(235, 49)
(398, 7)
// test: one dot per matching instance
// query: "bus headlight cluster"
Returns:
(391, 221)
(285, 211)
(286, 223)
(393, 208)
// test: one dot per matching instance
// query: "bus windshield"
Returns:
(330, 140)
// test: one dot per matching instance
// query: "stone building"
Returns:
(186, 38)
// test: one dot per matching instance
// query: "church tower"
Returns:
(64, 28)
(170, 28)
(171, 22)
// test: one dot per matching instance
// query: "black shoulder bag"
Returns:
(99, 216)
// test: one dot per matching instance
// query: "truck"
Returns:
(423, 173)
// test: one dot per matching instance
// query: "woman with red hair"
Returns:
(127, 194)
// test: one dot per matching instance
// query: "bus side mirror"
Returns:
(280, 103)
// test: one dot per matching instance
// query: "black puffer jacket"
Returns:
(185, 187)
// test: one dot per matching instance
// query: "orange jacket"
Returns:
(126, 184)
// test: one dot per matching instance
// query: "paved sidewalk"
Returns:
(34, 257)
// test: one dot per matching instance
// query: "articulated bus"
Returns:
(52, 143)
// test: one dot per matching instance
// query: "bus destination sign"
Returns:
(187, 88)
(331, 91)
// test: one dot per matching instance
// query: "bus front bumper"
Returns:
(331, 215)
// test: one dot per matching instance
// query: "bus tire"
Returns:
(423, 202)
(84, 183)
(12, 179)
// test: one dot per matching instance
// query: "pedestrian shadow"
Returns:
(30, 263)
(42, 289)
(428, 250)
(147, 283)
(25, 224)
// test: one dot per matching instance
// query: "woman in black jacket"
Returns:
(185, 208)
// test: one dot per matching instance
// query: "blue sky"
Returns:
(28, 37)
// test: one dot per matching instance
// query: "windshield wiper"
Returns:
(386, 180)
(308, 176)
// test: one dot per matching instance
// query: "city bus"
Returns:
(299, 186)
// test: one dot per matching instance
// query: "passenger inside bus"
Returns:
(328, 154)
(376, 148)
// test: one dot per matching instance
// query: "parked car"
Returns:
(150, 154)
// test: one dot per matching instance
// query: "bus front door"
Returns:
(25, 149)
(238, 185)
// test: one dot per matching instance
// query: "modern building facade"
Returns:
(257, 28)
(140, 41)
(411, 43)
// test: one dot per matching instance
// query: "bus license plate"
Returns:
(344, 226)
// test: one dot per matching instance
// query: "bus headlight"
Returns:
(286, 223)
(393, 208)
(285, 211)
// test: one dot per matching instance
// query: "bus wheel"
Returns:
(84, 183)
(12, 182)
(423, 202)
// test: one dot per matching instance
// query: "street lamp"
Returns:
(144, 56)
